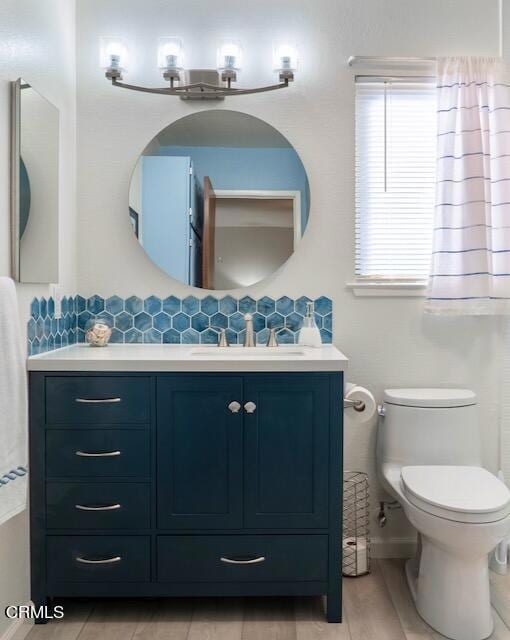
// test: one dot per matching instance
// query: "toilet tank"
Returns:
(429, 426)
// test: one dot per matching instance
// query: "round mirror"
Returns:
(219, 200)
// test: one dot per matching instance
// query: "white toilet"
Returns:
(429, 459)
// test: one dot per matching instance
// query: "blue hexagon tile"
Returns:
(228, 305)
(247, 305)
(114, 305)
(172, 320)
(133, 305)
(209, 305)
(200, 322)
(285, 306)
(162, 322)
(190, 305)
(265, 306)
(171, 305)
(192, 320)
(95, 304)
(152, 305)
(45, 332)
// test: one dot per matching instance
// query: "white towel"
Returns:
(13, 407)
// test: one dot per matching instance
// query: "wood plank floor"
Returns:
(376, 607)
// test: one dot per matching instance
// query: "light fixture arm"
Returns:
(201, 86)
(198, 90)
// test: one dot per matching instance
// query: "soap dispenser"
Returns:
(309, 335)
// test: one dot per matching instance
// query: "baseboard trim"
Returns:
(392, 547)
(18, 630)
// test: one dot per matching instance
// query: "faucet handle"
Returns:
(272, 340)
(222, 335)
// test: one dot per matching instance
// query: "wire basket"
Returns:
(355, 531)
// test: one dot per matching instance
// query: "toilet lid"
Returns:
(430, 398)
(462, 494)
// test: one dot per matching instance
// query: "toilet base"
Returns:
(451, 593)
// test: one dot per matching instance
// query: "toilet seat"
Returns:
(458, 493)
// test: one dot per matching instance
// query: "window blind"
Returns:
(395, 177)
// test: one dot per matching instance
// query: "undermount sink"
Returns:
(248, 352)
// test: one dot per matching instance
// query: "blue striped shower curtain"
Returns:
(470, 267)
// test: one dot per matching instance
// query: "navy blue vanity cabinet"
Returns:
(190, 484)
(199, 453)
(286, 449)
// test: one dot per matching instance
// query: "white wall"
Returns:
(37, 43)
(390, 341)
(238, 252)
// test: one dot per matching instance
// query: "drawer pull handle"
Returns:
(105, 507)
(106, 454)
(241, 560)
(98, 400)
(103, 561)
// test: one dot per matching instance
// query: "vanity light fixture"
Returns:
(196, 84)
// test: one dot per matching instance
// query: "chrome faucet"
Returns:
(249, 337)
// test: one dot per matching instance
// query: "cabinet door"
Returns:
(287, 451)
(199, 454)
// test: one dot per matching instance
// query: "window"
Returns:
(395, 177)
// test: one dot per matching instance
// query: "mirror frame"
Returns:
(15, 199)
(15, 177)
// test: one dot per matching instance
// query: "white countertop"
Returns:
(162, 357)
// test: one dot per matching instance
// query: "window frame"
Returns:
(378, 285)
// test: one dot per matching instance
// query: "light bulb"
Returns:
(113, 54)
(170, 54)
(229, 56)
(285, 57)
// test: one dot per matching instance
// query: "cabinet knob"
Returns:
(250, 407)
(234, 407)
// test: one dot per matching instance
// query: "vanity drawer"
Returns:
(98, 558)
(97, 452)
(104, 505)
(242, 558)
(75, 400)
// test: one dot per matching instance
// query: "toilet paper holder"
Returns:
(357, 405)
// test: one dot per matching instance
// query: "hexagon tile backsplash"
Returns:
(173, 320)
(44, 331)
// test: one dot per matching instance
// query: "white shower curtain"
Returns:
(470, 267)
